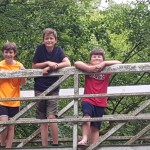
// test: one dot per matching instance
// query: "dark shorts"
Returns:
(44, 108)
(93, 111)
(8, 111)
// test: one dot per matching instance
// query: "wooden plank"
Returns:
(111, 90)
(21, 73)
(121, 118)
(74, 96)
(138, 135)
(75, 107)
(44, 148)
(133, 147)
(117, 68)
(112, 147)
(67, 139)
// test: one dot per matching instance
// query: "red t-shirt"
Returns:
(96, 84)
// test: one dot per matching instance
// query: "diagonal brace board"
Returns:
(29, 106)
(138, 135)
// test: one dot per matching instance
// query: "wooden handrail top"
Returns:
(117, 68)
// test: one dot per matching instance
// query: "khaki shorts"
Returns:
(45, 108)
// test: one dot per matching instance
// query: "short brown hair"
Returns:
(98, 51)
(49, 31)
(9, 46)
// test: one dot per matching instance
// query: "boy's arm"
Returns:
(50, 66)
(42, 65)
(110, 62)
(107, 63)
(65, 63)
(113, 62)
(85, 67)
(94, 68)
(22, 80)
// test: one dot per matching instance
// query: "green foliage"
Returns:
(122, 30)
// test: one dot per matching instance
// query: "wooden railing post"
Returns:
(75, 125)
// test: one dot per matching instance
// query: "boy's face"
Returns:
(96, 59)
(9, 55)
(49, 41)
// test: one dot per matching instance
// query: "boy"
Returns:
(48, 57)
(94, 84)
(9, 88)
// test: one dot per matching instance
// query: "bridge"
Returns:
(110, 140)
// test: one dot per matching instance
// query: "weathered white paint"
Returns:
(111, 90)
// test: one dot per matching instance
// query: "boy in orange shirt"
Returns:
(9, 88)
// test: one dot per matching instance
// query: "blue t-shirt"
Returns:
(42, 55)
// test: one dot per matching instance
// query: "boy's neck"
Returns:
(49, 49)
(10, 62)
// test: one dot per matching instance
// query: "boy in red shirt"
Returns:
(94, 84)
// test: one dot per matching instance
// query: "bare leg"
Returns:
(3, 135)
(44, 134)
(94, 136)
(85, 132)
(54, 130)
(10, 136)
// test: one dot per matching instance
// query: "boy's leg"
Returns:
(44, 134)
(10, 136)
(54, 130)
(85, 132)
(94, 136)
(41, 114)
(12, 111)
(95, 126)
(3, 135)
(52, 110)
(87, 113)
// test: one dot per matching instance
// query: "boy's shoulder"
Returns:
(2, 61)
(19, 63)
(58, 47)
(40, 46)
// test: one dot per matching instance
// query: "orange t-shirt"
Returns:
(10, 88)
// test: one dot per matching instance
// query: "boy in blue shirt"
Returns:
(48, 57)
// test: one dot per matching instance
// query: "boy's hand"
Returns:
(46, 70)
(100, 66)
(97, 68)
(52, 65)
(23, 80)
(93, 68)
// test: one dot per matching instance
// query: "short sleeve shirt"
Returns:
(42, 55)
(10, 88)
(96, 84)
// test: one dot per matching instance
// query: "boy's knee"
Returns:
(51, 117)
